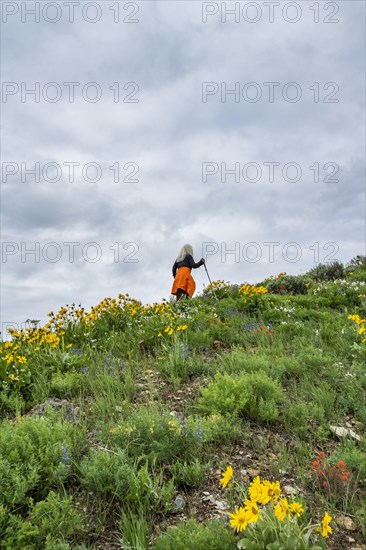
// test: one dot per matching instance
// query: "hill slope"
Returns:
(120, 422)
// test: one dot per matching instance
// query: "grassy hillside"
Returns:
(137, 427)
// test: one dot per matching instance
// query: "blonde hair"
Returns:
(186, 249)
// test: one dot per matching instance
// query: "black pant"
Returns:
(181, 294)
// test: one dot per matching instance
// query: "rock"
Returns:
(179, 503)
(346, 522)
(253, 473)
(218, 344)
(143, 347)
(69, 411)
(220, 505)
(289, 490)
(344, 432)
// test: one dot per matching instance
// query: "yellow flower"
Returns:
(255, 490)
(326, 529)
(68, 346)
(21, 359)
(226, 477)
(252, 511)
(8, 344)
(296, 508)
(239, 520)
(182, 327)
(13, 377)
(281, 509)
(270, 491)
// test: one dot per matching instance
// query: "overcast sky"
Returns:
(151, 99)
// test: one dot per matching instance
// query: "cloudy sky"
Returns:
(156, 123)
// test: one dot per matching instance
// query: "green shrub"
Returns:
(194, 536)
(288, 284)
(37, 454)
(188, 474)
(66, 385)
(48, 519)
(108, 474)
(327, 272)
(254, 395)
(338, 294)
(157, 435)
(221, 430)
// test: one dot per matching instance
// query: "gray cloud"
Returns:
(169, 133)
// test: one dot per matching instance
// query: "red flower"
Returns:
(316, 463)
(341, 464)
(321, 455)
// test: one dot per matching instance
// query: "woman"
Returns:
(184, 284)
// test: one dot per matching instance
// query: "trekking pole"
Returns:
(209, 278)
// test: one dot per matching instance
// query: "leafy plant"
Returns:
(327, 272)
(254, 395)
(195, 536)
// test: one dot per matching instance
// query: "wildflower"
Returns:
(270, 491)
(326, 529)
(281, 509)
(255, 490)
(239, 520)
(226, 477)
(252, 511)
(21, 359)
(68, 346)
(296, 508)
(65, 457)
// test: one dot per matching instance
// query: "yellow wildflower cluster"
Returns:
(170, 330)
(217, 285)
(264, 493)
(160, 309)
(361, 324)
(251, 290)
(12, 362)
(325, 528)
(51, 334)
